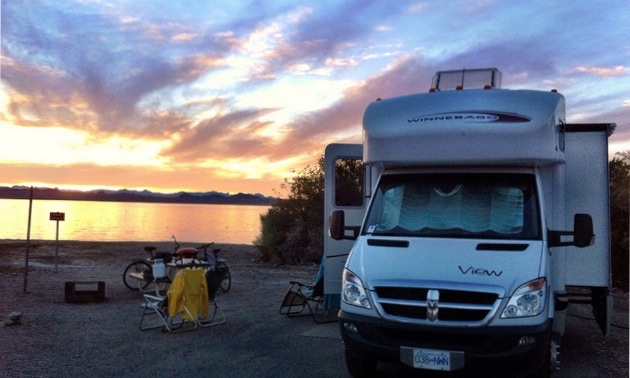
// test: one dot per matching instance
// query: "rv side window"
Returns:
(349, 182)
(456, 205)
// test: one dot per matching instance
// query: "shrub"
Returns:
(292, 229)
(619, 217)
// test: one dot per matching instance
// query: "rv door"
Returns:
(344, 189)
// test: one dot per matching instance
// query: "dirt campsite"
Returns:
(59, 339)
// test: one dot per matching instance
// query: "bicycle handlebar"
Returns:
(206, 246)
(177, 245)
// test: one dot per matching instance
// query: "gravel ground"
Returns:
(59, 339)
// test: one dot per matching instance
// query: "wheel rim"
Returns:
(139, 267)
(227, 282)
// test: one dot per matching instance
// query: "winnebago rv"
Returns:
(480, 216)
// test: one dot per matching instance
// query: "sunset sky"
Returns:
(233, 96)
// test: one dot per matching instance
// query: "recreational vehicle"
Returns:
(480, 215)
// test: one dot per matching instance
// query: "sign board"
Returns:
(57, 216)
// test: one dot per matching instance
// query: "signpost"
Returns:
(57, 217)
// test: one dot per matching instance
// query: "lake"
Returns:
(131, 221)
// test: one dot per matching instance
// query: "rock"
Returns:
(14, 318)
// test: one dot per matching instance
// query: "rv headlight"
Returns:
(352, 290)
(527, 300)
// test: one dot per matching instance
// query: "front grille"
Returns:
(454, 305)
(446, 295)
(446, 314)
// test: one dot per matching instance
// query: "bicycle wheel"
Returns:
(138, 275)
(227, 281)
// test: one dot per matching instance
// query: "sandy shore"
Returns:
(59, 339)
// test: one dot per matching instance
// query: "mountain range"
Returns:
(126, 195)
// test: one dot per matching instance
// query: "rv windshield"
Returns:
(455, 205)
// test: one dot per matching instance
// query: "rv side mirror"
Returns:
(582, 233)
(337, 224)
(582, 230)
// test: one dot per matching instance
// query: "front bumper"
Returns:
(488, 348)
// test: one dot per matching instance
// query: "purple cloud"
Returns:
(327, 32)
(59, 59)
(310, 130)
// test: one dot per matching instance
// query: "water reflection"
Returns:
(126, 221)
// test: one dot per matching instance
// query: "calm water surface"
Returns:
(129, 221)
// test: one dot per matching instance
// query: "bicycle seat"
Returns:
(149, 248)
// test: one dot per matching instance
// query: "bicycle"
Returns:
(140, 273)
(217, 263)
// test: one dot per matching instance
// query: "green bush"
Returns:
(292, 229)
(619, 217)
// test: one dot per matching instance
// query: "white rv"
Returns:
(481, 215)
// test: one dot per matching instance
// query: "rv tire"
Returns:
(359, 366)
(549, 364)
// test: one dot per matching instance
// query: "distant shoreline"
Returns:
(145, 201)
(209, 198)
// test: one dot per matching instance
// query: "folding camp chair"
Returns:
(304, 299)
(179, 309)
(214, 278)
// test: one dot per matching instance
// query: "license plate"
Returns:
(432, 359)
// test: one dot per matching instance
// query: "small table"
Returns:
(174, 266)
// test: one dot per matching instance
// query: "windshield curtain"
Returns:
(460, 205)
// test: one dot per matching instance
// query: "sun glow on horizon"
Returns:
(57, 145)
(80, 188)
